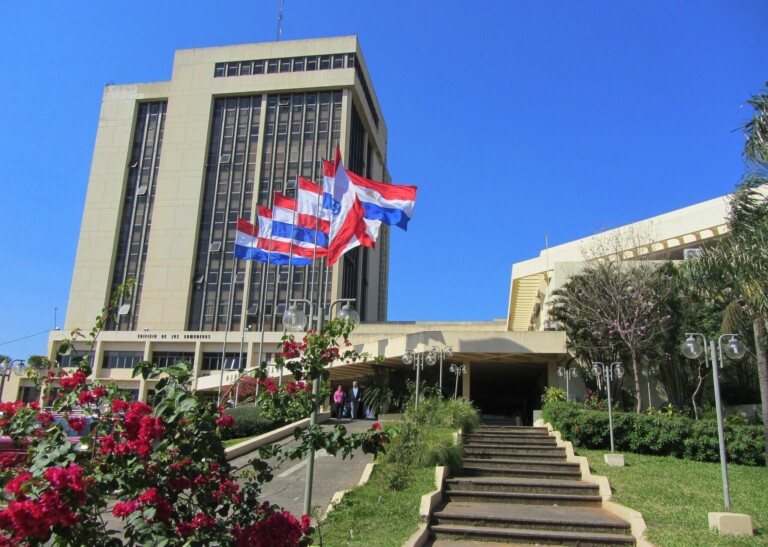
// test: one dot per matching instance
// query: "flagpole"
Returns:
(314, 250)
(226, 329)
(263, 291)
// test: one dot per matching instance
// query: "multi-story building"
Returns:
(177, 163)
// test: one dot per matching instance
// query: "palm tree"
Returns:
(743, 256)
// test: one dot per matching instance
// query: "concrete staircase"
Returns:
(517, 488)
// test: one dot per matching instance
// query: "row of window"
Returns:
(283, 65)
(211, 361)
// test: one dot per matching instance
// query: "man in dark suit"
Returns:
(355, 400)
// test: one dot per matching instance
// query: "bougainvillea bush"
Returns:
(160, 469)
(285, 403)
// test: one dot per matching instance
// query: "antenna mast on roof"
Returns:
(280, 21)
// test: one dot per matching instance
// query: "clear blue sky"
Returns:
(513, 118)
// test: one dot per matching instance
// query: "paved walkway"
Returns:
(331, 474)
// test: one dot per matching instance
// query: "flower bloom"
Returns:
(76, 380)
(123, 509)
(376, 426)
(77, 424)
(225, 421)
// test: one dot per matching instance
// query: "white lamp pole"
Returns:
(599, 369)
(693, 349)
(294, 320)
(458, 370)
(649, 372)
(568, 373)
(16, 366)
(442, 353)
(417, 359)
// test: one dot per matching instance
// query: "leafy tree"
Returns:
(618, 308)
(743, 255)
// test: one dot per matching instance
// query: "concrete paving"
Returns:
(331, 474)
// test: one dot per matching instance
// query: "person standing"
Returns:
(355, 400)
(339, 400)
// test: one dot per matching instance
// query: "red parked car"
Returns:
(12, 453)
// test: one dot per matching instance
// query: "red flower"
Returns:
(77, 379)
(125, 508)
(99, 391)
(15, 486)
(86, 397)
(77, 424)
(376, 426)
(45, 418)
(119, 406)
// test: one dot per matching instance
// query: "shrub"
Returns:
(424, 437)
(553, 394)
(286, 403)
(248, 423)
(656, 434)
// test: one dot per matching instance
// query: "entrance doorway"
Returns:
(507, 390)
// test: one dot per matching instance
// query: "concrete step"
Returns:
(514, 452)
(562, 519)
(537, 537)
(522, 485)
(483, 496)
(522, 463)
(488, 440)
(510, 434)
(513, 429)
(478, 469)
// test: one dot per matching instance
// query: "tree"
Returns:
(743, 255)
(616, 307)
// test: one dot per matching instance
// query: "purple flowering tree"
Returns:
(618, 307)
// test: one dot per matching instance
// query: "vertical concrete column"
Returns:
(142, 382)
(465, 379)
(98, 359)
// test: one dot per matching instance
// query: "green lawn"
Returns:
(375, 516)
(232, 442)
(675, 497)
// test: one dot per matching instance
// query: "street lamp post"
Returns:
(693, 349)
(599, 369)
(649, 372)
(458, 370)
(294, 320)
(417, 359)
(442, 353)
(240, 366)
(16, 366)
(568, 373)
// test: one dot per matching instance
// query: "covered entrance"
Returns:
(508, 390)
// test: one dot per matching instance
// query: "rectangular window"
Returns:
(121, 359)
(168, 358)
(272, 66)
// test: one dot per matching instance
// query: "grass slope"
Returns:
(676, 495)
(372, 515)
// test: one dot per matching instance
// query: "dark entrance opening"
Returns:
(507, 390)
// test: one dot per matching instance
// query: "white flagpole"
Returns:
(262, 298)
(226, 329)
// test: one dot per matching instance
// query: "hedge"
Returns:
(248, 422)
(656, 435)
